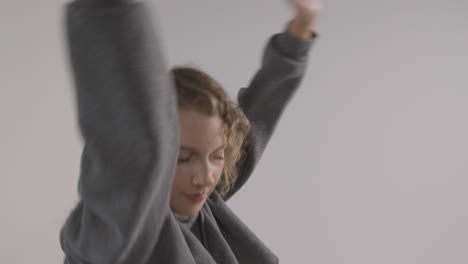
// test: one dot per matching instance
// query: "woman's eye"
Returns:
(218, 157)
(183, 159)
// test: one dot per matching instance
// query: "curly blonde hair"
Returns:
(199, 91)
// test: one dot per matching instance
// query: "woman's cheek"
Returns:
(183, 170)
(219, 172)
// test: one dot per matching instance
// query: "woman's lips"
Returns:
(196, 197)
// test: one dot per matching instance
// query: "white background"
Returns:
(369, 164)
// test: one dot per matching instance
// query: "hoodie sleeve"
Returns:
(282, 69)
(127, 115)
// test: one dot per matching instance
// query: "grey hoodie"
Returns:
(127, 115)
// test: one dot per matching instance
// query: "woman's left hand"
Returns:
(306, 9)
(307, 12)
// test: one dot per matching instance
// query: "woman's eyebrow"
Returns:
(192, 149)
(187, 148)
(221, 147)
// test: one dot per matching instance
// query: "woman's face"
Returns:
(200, 162)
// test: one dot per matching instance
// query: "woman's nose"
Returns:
(203, 174)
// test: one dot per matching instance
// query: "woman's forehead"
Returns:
(200, 148)
(200, 131)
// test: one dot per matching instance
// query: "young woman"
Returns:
(164, 152)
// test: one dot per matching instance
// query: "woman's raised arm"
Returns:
(127, 115)
(283, 66)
